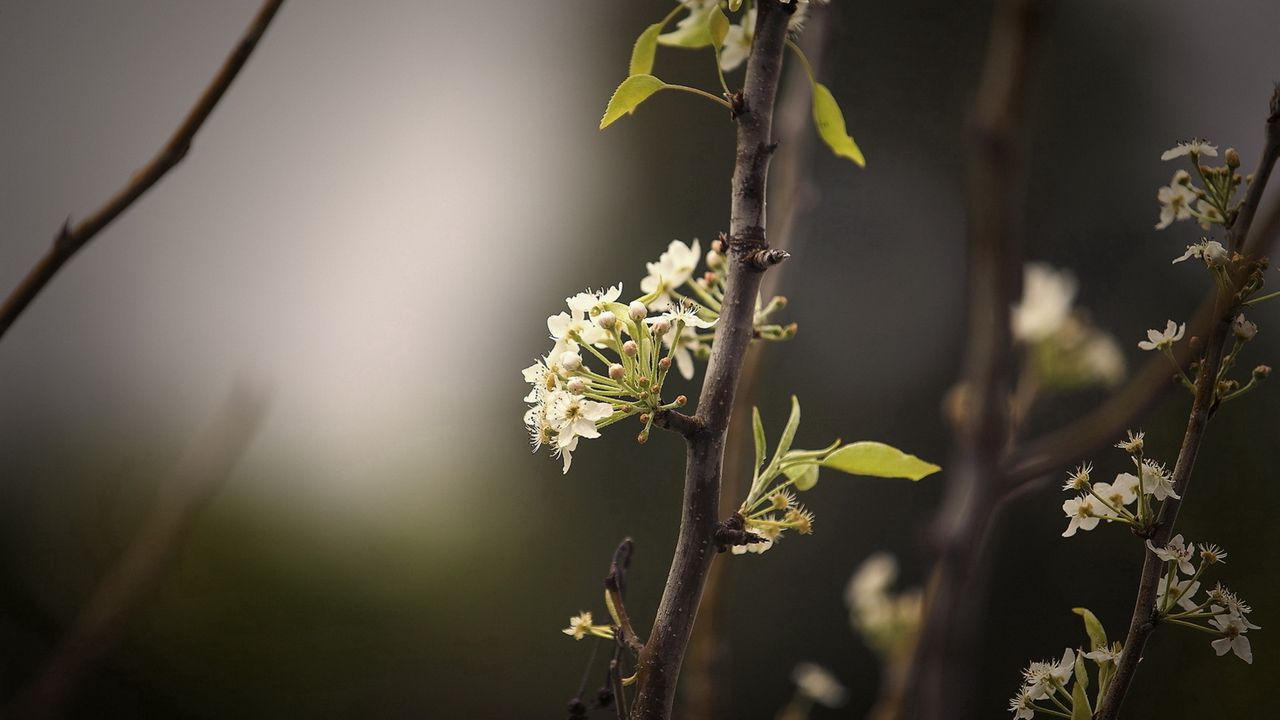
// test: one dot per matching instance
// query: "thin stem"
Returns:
(702, 93)
(71, 239)
(1262, 298)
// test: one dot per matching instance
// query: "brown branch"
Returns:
(615, 585)
(659, 663)
(1144, 617)
(706, 688)
(943, 666)
(71, 239)
(677, 422)
(128, 586)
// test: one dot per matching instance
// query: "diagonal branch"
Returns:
(659, 663)
(615, 584)
(129, 585)
(71, 239)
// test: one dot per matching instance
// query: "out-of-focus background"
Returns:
(376, 222)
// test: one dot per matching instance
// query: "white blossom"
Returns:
(1195, 146)
(673, 269)
(1208, 215)
(737, 43)
(1021, 705)
(1106, 654)
(1083, 512)
(1157, 481)
(1210, 251)
(1161, 340)
(1233, 630)
(1042, 677)
(1047, 296)
(1123, 491)
(1184, 590)
(593, 302)
(1176, 551)
(814, 682)
(1175, 203)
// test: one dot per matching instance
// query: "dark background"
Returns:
(376, 222)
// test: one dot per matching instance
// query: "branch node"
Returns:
(765, 259)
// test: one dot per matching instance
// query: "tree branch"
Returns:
(1143, 621)
(614, 585)
(127, 587)
(71, 239)
(943, 664)
(659, 664)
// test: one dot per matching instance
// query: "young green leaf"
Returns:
(717, 26)
(878, 460)
(803, 477)
(645, 49)
(830, 123)
(1092, 626)
(633, 91)
(734, 5)
(789, 432)
(1080, 709)
(757, 429)
(1082, 674)
(692, 33)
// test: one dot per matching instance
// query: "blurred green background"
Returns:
(375, 224)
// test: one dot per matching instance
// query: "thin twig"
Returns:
(659, 664)
(1143, 621)
(128, 586)
(943, 667)
(615, 584)
(71, 239)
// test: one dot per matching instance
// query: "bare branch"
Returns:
(943, 666)
(659, 664)
(615, 584)
(127, 587)
(71, 239)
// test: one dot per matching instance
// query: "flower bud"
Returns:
(682, 399)
(629, 348)
(714, 259)
(1233, 158)
(665, 363)
(1243, 329)
(661, 327)
(1215, 254)
(1181, 177)
(638, 310)
(607, 320)
(570, 360)
(616, 371)
(1261, 372)
(576, 385)
(708, 278)
(717, 245)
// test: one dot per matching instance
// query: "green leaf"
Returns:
(717, 27)
(645, 49)
(1092, 626)
(878, 460)
(830, 123)
(789, 432)
(692, 33)
(803, 476)
(757, 428)
(633, 91)
(734, 5)
(1080, 709)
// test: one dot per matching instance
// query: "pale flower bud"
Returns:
(607, 320)
(570, 360)
(630, 348)
(1233, 158)
(1181, 177)
(638, 310)
(1215, 254)
(714, 259)
(661, 327)
(616, 371)
(1262, 372)
(576, 385)
(1243, 329)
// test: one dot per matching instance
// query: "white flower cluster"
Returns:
(1211, 205)
(1178, 598)
(887, 621)
(572, 398)
(1066, 349)
(1099, 501)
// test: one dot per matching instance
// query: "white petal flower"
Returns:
(814, 682)
(593, 302)
(1021, 705)
(737, 44)
(565, 328)
(870, 583)
(1193, 147)
(1160, 340)
(1157, 481)
(1047, 296)
(673, 269)
(1183, 590)
(1106, 654)
(1176, 551)
(685, 313)
(1043, 677)
(1208, 215)
(1233, 639)
(1085, 512)
(1175, 203)
(1120, 493)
